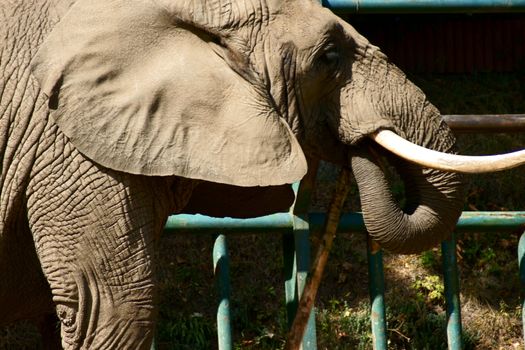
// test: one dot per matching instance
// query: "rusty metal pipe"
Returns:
(486, 123)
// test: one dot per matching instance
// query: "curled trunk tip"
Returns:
(434, 204)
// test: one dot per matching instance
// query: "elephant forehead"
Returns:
(290, 24)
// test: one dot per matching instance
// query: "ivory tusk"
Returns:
(444, 161)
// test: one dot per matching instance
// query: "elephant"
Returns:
(114, 114)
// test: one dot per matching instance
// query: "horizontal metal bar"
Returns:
(487, 123)
(491, 221)
(425, 6)
(469, 222)
(186, 223)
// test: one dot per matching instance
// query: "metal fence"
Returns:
(297, 225)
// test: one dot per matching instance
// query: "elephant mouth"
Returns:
(445, 161)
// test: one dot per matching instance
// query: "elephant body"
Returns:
(104, 133)
(58, 209)
(23, 116)
(58, 205)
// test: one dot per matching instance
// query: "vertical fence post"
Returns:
(521, 263)
(290, 277)
(296, 256)
(451, 280)
(296, 270)
(221, 268)
(302, 251)
(376, 285)
(153, 344)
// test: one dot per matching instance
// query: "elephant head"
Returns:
(234, 92)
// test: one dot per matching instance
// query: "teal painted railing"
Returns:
(426, 6)
(470, 221)
(296, 259)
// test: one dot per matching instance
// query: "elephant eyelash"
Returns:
(330, 56)
(327, 61)
(332, 48)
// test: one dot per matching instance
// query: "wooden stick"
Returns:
(296, 333)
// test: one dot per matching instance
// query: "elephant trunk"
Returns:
(434, 198)
(433, 204)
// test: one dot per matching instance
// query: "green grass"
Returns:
(178, 331)
(20, 336)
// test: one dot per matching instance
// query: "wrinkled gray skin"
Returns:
(87, 184)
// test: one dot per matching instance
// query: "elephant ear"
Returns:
(138, 90)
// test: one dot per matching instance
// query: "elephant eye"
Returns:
(330, 57)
